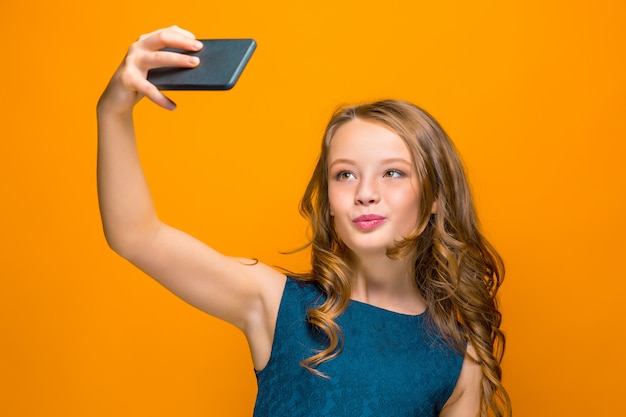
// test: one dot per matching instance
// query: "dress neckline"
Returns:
(386, 311)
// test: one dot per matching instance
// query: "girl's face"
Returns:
(372, 187)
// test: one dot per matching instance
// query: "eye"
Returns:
(344, 175)
(393, 173)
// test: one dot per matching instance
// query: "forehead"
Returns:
(359, 139)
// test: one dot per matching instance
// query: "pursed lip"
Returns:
(368, 221)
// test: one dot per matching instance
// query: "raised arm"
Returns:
(228, 288)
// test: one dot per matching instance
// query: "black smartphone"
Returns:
(221, 63)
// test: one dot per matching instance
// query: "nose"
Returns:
(367, 193)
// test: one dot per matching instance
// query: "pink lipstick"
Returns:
(368, 221)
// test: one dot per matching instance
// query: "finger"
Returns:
(149, 90)
(173, 37)
(183, 31)
(165, 59)
(173, 28)
(147, 52)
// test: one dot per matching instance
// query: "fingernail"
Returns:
(194, 60)
(197, 45)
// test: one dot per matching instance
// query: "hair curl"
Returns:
(457, 270)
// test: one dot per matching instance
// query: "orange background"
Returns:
(533, 92)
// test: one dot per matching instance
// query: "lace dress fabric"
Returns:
(391, 365)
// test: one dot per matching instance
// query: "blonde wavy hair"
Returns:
(457, 270)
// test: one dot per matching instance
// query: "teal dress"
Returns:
(391, 365)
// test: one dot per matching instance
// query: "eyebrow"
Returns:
(382, 162)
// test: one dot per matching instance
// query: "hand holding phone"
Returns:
(221, 63)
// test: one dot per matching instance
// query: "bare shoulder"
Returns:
(266, 281)
(465, 399)
(260, 324)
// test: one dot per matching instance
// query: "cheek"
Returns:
(409, 204)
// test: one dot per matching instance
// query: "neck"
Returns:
(386, 283)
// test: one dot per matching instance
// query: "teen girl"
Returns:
(397, 316)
